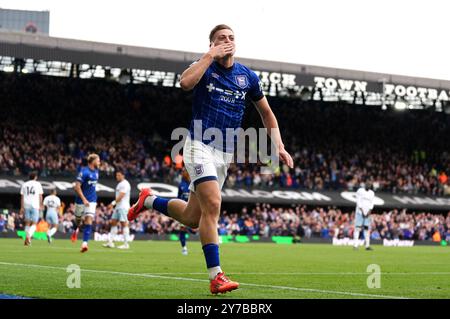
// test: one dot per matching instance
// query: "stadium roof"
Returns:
(123, 56)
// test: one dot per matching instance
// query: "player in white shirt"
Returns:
(364, 205)
(122, 205)
(53, 205)
(30, 204)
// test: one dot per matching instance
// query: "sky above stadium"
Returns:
(406, 37)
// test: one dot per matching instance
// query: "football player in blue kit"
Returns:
(86, 199)
(221, 86)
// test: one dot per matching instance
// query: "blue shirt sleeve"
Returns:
(255, 92)
(81, 177)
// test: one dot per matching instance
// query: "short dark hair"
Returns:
(33, 175)
(120, 171)
(218, 28)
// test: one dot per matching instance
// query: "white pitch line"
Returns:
(205, 280)
(305, 273)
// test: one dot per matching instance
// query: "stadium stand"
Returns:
(335, 146)
(266, 220)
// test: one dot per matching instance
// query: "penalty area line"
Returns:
(322, 291)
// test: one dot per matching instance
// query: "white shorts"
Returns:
(81, 210)
(205, 163)
(32, 214)
(120, 214)
(361, 220)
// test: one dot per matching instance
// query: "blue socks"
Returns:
(211, 252)
(87, 232)
(160, 204)
(183, 238)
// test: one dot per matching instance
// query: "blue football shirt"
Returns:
(219, 101)
(88, 179)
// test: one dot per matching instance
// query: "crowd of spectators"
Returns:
(265, 220)
(50, 124)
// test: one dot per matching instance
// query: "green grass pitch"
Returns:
(157, 269)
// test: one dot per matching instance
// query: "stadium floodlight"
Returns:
(400, 105)
(8, 68)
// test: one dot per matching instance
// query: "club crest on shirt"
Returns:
(241, 81)
(198, 169)
(215, 75)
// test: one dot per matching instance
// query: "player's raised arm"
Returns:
(271, 124)
(192, 75)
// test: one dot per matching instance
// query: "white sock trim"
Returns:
(32, 230)
(213, 271)
(126, 234)
(356, 237)
(367, 238)
(148, 202)
(52, 231)
(112, 233)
